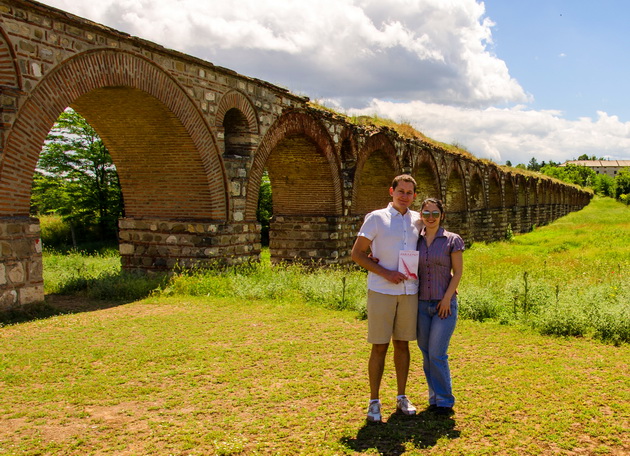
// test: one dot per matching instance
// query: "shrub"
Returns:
(54, 231)
(478, 305)
(562, 321)
(333, 288)
(613, 326)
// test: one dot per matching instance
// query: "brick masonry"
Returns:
(191, 142)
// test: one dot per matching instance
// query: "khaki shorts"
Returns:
(391, 317)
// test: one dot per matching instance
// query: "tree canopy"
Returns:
(76, 179)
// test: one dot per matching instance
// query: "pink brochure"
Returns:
(408, 263)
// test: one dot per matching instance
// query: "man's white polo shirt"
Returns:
(391, 232)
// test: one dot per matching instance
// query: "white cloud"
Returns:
(425, 61)
(516, 134)
(431, 50)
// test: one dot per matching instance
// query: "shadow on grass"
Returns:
(401, 433)
(85, 295)
(54, 305)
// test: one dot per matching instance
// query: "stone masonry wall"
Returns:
(161, 245)
(21, 278)
(321, 240)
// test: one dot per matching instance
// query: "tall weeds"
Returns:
(567, 279)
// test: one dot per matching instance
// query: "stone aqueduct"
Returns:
(191, 141)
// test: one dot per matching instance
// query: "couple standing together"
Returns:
(401, 308)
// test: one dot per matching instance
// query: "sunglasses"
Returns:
(427, 214)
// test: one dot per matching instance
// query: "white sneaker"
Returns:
(405, 406)
(374, 412)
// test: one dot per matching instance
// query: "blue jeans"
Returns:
(434, 336)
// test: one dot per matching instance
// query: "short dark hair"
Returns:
(404, 178)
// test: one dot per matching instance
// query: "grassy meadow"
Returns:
(570, 278)
(256, 360)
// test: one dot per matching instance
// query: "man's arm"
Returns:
(360, 257)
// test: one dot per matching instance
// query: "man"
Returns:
(392, 302)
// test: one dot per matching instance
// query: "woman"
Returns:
(440, 270)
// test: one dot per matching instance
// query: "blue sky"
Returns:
(507, 79)
(571, 55)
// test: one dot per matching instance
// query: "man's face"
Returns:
(402, 196)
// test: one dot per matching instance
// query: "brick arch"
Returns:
(316, 176)
(9, 70)
(236, 121)
(559, 194)
(564, 195)
(196, 185)
(476, 190)
(550, 190)
(456, 199)
(236, 100)
(523, 191)
(427, 175)
(510, 192)
(541, 192)
(407, 158)
(377, 165)
(495, 198)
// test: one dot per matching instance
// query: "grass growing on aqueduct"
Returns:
(282, 373)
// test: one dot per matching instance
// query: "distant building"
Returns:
(607, 167)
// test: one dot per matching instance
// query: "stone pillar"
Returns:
(161, 245)
(21, 278)
(458, 222)
(318, 239)
(514, 219)
(500, 223)
(527, 219)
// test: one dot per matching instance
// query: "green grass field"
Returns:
(264, 361)
(202, 376)
(570, 278)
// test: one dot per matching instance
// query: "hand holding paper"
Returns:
(408, 263)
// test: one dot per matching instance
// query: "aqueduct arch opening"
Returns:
(377, 166)
(300, 160)
(208, 135)
(427, 177)
(147, 127)
(156, 159)
(456, 201)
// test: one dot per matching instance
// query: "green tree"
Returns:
(265, 208)
(573, 174)
(76, 178)
(592, 157)
(533, 165)
(604, 185)
(622, 185)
